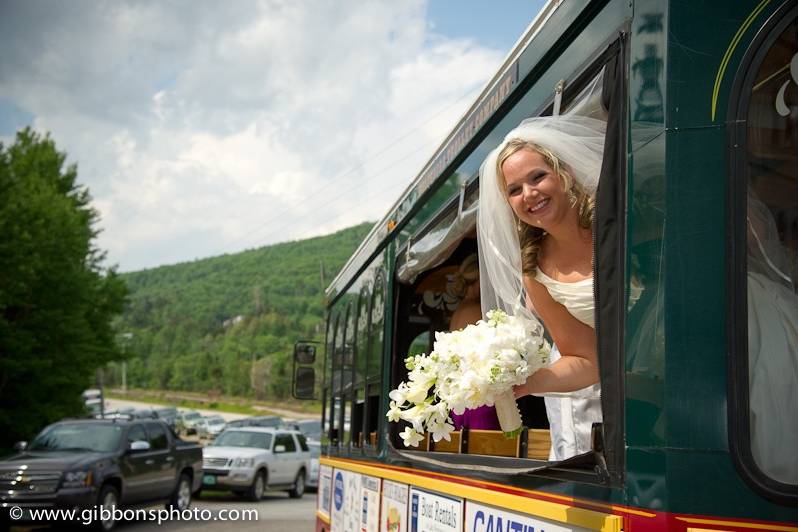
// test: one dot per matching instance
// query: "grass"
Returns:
(236, 405)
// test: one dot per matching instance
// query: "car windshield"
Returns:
(191, 415)
(78, 437)
(215, 421)
(241, 438)
(166, 412)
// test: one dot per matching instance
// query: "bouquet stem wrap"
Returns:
(509, 417)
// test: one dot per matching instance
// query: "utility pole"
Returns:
(127, 337)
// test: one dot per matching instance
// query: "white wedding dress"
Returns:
(571, 415)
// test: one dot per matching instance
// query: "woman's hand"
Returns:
(522, 390)
(567, 374)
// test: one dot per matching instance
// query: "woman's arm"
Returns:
(578, 366)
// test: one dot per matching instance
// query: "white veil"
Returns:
(579, 143)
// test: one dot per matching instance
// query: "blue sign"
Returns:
(338, 490)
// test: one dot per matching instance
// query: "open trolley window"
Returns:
(432, 266)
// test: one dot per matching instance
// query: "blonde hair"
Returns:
(530, 237)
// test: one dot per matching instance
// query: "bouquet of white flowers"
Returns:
(469, 368)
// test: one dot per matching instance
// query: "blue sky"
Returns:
(493, 24)
(204, 128)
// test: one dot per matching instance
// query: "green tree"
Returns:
(56, 299)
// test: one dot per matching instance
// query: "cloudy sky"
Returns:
(208, 127)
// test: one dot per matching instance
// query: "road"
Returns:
(276, 513)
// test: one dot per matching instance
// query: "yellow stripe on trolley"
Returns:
(545, 509)
(323, 517)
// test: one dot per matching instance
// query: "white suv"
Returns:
(250, 460)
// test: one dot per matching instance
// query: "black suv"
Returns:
(103, 462)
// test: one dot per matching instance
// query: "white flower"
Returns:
(467, 369)
(418, 393)
(411, 437)
(440, 431)
(399, 395)
(395, 413)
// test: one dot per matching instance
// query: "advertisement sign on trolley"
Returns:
(355, 502)
(482, 518)
(394, 507)
(430, 512)
(325, 490)
(370, 504)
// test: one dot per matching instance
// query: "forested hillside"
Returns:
(228, 324)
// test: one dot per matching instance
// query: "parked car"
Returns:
(144, 413)
(249, 460)
(188, 421)
(201, 426)
(101, 462)
(169, 414)
(215, 425)
(311, 428)
(313, 465)
(257, 421)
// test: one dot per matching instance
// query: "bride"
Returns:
(536, 256)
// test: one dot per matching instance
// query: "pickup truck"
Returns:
(101, 462)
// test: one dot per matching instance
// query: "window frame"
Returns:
(738, 411)
(132, 428)
(378, 287)
(346, 398)
(333, 441)
(286, 437)
(363, 305)
(150, 428)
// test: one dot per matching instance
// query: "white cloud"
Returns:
(207, 127)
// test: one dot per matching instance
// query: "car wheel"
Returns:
(181, 497)
(255, 491)
(299, 485)
(107, 500)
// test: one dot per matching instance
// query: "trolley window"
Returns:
(764, 267)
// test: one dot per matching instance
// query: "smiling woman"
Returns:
(537, 201)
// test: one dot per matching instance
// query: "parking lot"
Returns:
(233, 505)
